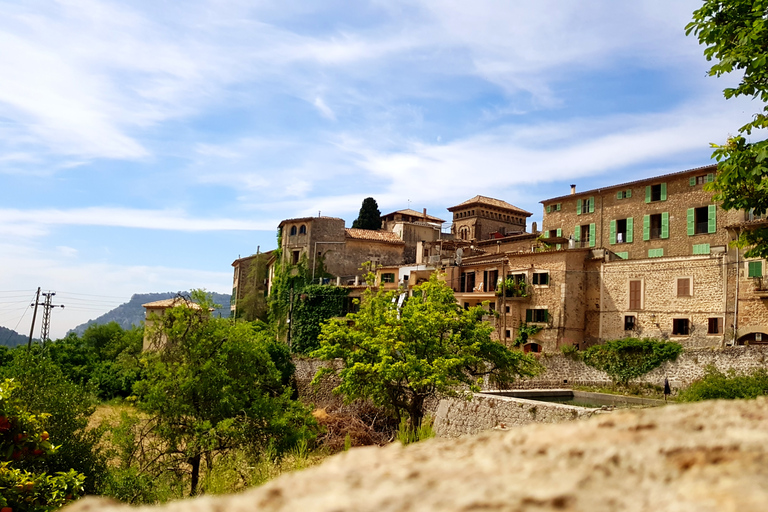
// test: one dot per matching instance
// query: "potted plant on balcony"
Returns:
(511, 288)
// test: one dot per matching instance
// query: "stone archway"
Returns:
(753, 335)
(531, 347)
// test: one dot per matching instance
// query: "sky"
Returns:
(144, 146)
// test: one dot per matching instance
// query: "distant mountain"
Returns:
(131, 313)
(11, 338)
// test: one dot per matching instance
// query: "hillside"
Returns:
(131, 313)
(10, 338)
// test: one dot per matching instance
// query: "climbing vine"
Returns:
(524, 332)
(629, 358)
(313, 306)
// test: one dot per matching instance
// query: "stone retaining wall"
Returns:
(561, 371)
(456, 417)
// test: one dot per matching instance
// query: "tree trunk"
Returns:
(416, 412)
(195, 462)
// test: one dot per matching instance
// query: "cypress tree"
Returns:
(369, 217)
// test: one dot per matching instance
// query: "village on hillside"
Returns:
(650, 258)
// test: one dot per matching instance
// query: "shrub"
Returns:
(629, 358)
(718, 385)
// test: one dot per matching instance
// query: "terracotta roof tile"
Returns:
(489, 201)
(414, 213)
(375, 236)
(170, 303)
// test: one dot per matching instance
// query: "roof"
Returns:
(170, 303)
(268, 254)
(710, 168)
(509, 238)
(414, 213)
(374, 236)
(489, 201)
(306, 219)
(748, 224)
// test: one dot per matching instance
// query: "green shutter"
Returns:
(629, 229)
(648, 194)
(577, 234)
(712, 218)
(755, 269)
(546, 315)
(646, 227)
(691, 221)
(655, 253)
(618, 195)
(629, 193)
(529, 315)
(549, 209)
(623, 255)
(664, 224)
(592, 235)
(612, 236)
(710, 177)
(578, 207)
(701, 249)
(559, 231)
(591, 205)
(558, 206)
(692, 181)
(663, 191)
(546, 234)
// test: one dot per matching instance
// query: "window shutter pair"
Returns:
(663, 193)
(755, 269)
(628, 234)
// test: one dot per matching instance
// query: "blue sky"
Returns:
(146, 145)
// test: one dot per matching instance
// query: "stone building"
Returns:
(155, 312)
(481, 218)
(413, 228)
(250, 284)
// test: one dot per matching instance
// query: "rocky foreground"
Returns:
(703, 457)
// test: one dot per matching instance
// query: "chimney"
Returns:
(573, 189)
(425, 215)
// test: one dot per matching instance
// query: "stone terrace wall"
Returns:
(563, 372)
(456, 417)
(322, 395)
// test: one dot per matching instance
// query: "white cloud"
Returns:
(324, 109)
(20, 221)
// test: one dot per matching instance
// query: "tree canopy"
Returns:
(213, 386)
(369, 217)
(736, 35)
(399, 354)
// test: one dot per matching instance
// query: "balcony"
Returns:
(760, 287)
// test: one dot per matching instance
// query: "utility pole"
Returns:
(34, 315)
(47, 306)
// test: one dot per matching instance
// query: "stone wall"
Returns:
(455, 417)
(689, 366)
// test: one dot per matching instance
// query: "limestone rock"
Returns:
(705, 457)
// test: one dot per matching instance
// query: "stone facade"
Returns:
(481, 217)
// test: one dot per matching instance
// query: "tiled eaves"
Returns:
(652, 179)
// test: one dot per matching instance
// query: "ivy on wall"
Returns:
(313, 306)
(629, 358)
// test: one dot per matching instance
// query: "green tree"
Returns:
(369, 217)
(736, 35)
(24, 444)
(212, 387)
(399, 356)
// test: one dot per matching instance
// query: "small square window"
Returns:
(680, 327)
(388, 277)
(715, 326)
(629, 323)
(656, 192)
(541, 278)
(536, 315)
(509, 333)
(683, 286)
(507, 310)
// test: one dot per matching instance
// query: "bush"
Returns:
(718, 385)
(629, 358)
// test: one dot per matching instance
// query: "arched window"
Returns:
(303, 230)
(293, 230)
(464, 233)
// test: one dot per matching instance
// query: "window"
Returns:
(507, 310)
(755, 269)
(680, 327)
(388, 277)
(700, 180)
(702, 220)
(621, 231)
(541, 278)
(467, 282)
(508, 333)
(656, 226)
(751, 215)
(536, 315)
(655, 193)
(303, 230)
(624, 194)
(684, 287)
(629, 323)
(518, 278)
(295, 255)
(490, 280)
(635, 294)
(715, 326)
(293, 230)
(585, 205)
(585, 235)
